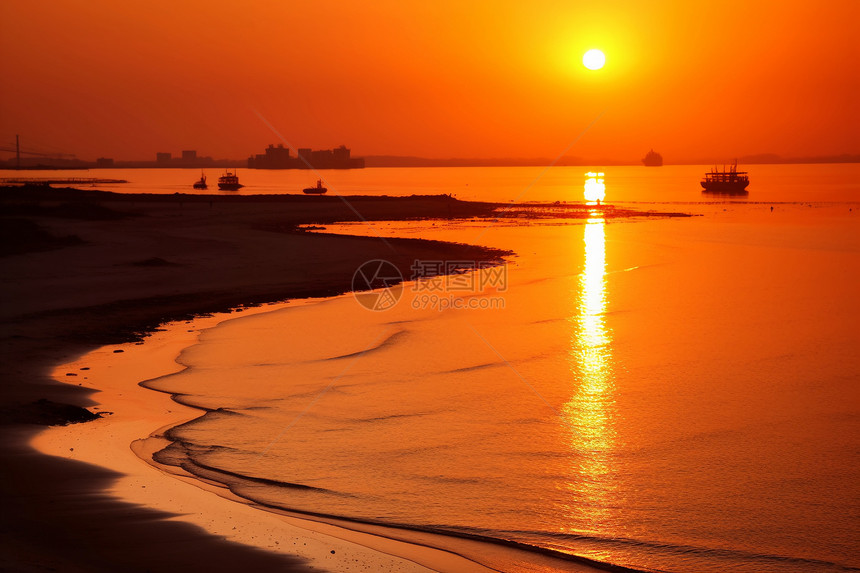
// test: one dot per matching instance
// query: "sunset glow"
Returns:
(439, 80)
(570, 279)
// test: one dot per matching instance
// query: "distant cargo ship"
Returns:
(726, 181)
(652, 159)
(229, 181)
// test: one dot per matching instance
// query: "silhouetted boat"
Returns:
(201, 184)
(726, 181)
(652, 159)
(318, 190)
(229, 181)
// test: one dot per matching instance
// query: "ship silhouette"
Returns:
(652, 159)
(726, 181)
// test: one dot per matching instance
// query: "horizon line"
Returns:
(391, 160)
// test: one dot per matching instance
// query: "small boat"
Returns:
(726, 181)
(318, 190)
(229, 181)
(201, 184)
(652, 159)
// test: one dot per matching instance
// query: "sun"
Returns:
(593, 59)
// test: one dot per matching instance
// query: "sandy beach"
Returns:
(92, 269)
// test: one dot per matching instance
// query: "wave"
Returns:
(388, 417)
(389, 341)
(733, 555)
(556, 545)
(474, 368)
(181, 453)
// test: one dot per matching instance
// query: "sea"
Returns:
(663, 393)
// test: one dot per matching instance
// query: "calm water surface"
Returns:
(671, 394)
(626, 184)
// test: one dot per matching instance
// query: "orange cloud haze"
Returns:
(436, 79)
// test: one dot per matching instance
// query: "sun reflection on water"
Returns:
(589, 412)
(594, 188)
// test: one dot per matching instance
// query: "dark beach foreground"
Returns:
(82, 269)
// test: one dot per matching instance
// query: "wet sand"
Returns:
(135, 412)
(87, 269)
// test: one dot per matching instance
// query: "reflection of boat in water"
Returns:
(726, 181)
(201, 184)
(229, 181)
(652, 159)
(318, 190)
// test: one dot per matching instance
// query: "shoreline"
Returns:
(135, 266)
(121, 440)
(483, 552)
(391, 548)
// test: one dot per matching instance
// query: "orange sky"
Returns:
(435, 79)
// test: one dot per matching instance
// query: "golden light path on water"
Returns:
(595, 189)
(589, 413)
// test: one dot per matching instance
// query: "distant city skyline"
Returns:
(440, 80)
(161, 159)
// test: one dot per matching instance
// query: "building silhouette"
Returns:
(274, 158)
(278, 157)
(186, 158)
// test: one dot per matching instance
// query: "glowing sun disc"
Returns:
(593, 59)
